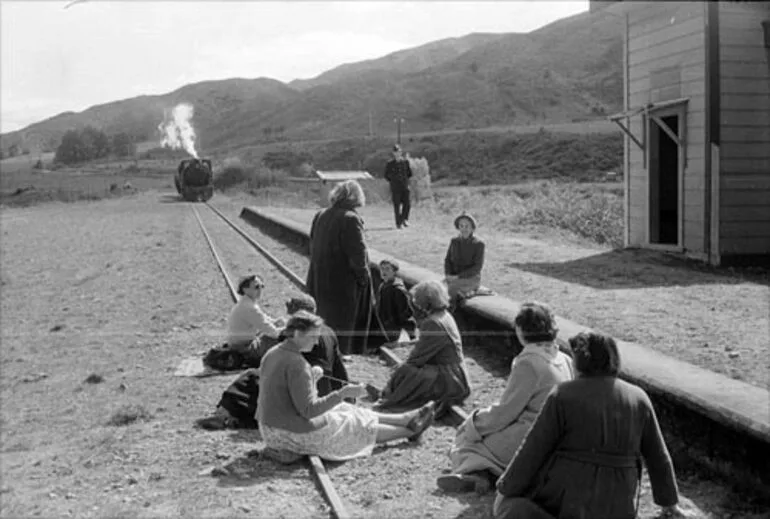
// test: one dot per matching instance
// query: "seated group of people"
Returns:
(567, 438)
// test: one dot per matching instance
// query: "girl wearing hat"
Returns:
(489, 438)
(464, 259)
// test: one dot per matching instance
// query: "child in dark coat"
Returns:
(393, 307)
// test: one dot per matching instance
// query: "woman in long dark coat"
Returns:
(582, 459)
(338, 277)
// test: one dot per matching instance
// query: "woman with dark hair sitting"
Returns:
(583, 456)
(247, 320)
(435, 369)
(488, 439)
(293, 418)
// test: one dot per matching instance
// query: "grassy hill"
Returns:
(569, 70)
(468, 158)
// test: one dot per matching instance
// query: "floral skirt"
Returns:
(350, 432)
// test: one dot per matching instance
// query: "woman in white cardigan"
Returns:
(489, 438)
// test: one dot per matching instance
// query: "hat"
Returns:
(468, 217)
(396, 147)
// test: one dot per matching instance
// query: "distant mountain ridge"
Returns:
(568, 70)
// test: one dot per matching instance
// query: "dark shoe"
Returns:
(424, 419)
(457, 483)
(212, 423)
(373, 393)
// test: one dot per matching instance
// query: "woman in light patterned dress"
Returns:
(293, 418)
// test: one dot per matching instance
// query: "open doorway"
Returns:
(664, 182)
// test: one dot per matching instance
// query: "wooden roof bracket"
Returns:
(646, 111)
(627, 115)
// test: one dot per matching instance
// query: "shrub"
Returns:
(236, 173)
(583, 209)
(592, 214)
(233, 173)
(261, 178)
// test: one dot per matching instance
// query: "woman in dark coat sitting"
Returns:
(464, 259)
(435, 369)
(583, 456)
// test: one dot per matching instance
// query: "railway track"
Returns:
(490, 370)
(338, 508)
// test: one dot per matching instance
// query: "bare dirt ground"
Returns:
(716, 319)
(100, 303)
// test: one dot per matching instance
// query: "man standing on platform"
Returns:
(398, 173)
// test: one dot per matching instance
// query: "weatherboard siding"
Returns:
(744, 165)
(667, 60)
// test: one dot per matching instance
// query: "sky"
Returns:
(55, 58)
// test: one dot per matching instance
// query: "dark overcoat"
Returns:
(582, 457)
(338, 276)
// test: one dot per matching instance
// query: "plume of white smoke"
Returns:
(176, 130)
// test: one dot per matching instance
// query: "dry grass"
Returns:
(593, 211)
(21, 185)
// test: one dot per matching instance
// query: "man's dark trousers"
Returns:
(401, 205)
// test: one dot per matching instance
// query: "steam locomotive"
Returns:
(193, 180)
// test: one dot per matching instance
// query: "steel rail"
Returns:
(317, 466)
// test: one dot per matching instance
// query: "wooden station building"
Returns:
(696, 118)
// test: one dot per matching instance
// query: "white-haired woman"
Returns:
(338, 277)
(292, 417)
(435, 370)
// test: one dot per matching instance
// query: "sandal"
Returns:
(424, 419)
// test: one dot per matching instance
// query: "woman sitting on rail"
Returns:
(247, 320)
(249, 330)
(293, 418)
(583, 456)
(488, 439)
(464, 259)
(435, 369)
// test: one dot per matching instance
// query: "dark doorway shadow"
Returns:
(637, 268)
